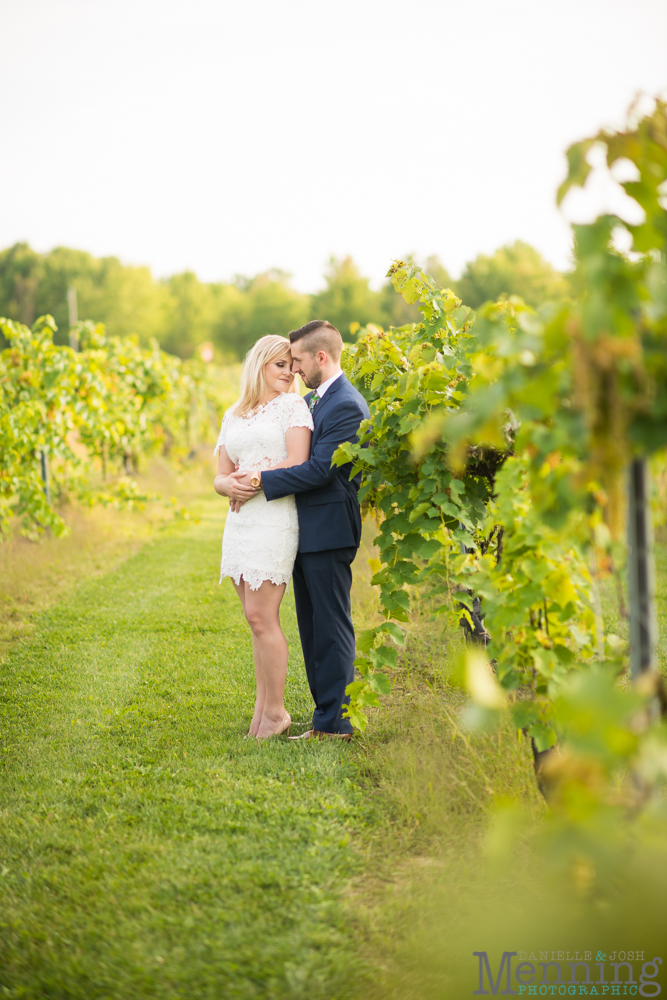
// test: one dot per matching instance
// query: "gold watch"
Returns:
(256, 482)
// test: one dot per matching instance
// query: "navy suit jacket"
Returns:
(326, 498)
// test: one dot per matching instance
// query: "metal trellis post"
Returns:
(44, 458)
(641, 571)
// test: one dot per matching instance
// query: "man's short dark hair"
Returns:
(319, 335)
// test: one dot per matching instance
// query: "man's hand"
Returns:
(232, 486)
(244, 479)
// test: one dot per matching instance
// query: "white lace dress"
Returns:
(260, 541)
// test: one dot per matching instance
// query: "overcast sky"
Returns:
(231, 137)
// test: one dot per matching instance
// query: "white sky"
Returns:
(231, 137)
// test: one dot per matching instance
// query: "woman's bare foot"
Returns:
(273, 726)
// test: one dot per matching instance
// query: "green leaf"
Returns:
(578, 167)
(399, 613)
(366, 640)
(545, 737)
(354, 689)
(427, 549)
(449, 508)
(380, 683)
(384, 656)
(397, 599)
(397, 634)
(525, 713)
(418, 511)
(362, 665)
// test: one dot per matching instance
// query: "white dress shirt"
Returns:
(321, 389)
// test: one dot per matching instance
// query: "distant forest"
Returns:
(182, 312)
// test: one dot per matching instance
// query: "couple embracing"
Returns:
(293, 515)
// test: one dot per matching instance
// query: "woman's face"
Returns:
(278, 374)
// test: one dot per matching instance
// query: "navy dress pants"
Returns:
(322, 582)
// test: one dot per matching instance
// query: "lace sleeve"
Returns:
(296, 412)
(223, 433)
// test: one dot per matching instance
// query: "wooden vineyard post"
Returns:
(641, 571)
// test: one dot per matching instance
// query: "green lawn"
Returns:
(146, 848)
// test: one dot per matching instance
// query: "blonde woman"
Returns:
(269, 427)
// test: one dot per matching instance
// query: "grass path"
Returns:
(146, 849)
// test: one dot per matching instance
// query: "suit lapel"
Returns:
(330, 393)
(322, 403)
(313, 413)
(328, 396)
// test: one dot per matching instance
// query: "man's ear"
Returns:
(322, 357)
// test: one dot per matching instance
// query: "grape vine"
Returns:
(497, 446)
(96, 410)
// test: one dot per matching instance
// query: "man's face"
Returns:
(308, 366)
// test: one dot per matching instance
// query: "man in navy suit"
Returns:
(329, 525)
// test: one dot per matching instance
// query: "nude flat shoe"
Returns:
(317, 734)
(282, 727)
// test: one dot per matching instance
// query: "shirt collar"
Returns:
(321, 389)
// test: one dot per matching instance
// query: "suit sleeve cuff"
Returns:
(266, 486)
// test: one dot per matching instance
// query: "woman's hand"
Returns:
(231, 482)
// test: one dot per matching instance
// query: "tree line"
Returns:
(181, 312)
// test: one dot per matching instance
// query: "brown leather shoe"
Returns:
(317, 734)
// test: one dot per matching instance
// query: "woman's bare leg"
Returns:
(262, 609)
(259, 676)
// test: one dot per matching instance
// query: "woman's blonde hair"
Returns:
(253, 380)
